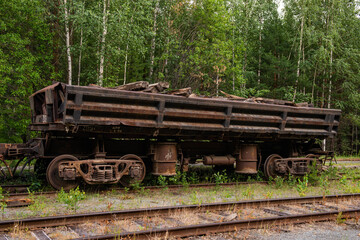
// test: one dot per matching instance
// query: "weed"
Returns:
(279, 182)
(339, 218)
(352, 187)
(220, 177)
(110, 206)
(38, 204)
(137, 187)
(291, 180)
(324, 183)
(228, 194)
(268, 195)
(313, 176)
(331, 172)
(3, 204)
(194, 198)
(71, 198)
(193, 178)
(271, 180)
(162, 181)
(302, 186)
(259, 176)
(179, 178)
(343, 180)
(248, 193)
(35, 186)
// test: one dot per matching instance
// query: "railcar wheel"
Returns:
(137, 171)
(52, 173)
(269, 166)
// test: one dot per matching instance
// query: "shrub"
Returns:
(71, 198)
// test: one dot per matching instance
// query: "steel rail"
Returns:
(53, 221)
(14, 187)
(211, 228)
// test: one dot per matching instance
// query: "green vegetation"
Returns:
(308, 51)
(302, 186)
(138, 187)
(38, 204)
(72, 198)
(67, 203)
(220, 177)
(279, 182)
(2, 203)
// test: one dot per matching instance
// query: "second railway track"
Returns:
(215, 217)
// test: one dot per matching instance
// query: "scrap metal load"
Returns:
(104, 135)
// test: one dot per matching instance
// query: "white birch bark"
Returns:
(81, 44)
(79, 69)
(299, 57)
(126, 60)
(259, 63)
(127, 51)
(331, 61)
(233, 63)
(313, 85)
(103, 41)
(67, 40)
(153, 40)
(217, 82)
(167, 57)
(330, 81)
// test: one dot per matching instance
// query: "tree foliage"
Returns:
(308, 51)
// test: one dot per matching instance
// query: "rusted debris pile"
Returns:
(266, 100)
(162, 87)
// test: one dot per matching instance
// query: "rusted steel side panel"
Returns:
(161, 114)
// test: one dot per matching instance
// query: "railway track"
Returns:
(15, 188)
(190, 220)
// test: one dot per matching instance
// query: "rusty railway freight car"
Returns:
(103, 135)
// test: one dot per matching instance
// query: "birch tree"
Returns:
(67, 40)
(153, 39)
(106, 5)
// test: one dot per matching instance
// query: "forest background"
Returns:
(309, 51)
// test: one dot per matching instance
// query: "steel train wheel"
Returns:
(52, 174)
(269, 166)
(137, 171)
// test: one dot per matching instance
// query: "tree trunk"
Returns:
(330, 81)
(352, 139)
(299, 57)
(260, 44)
(67, 40)
(103, 41)
(217, 83)
(313, 86)
(153, 41)
(233, 61)
(81, 43)
(167, 57)
(323, 91)
(125, 64)
(356, 140)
